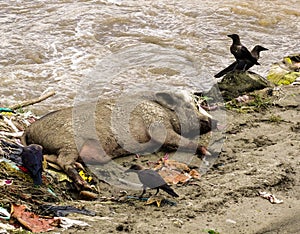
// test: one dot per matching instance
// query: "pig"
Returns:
(98, 132)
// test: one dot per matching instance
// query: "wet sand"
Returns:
(261, 153)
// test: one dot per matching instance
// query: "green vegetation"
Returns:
(275, 119)
(255, 103)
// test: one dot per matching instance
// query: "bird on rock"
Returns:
(239, 51)
(242, 65)
(151, 179)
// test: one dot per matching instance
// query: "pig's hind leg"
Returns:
(67, 161)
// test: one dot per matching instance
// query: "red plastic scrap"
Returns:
(194, 174)
(171, 164)
(173, 176)
(31, 221)
(175, 172)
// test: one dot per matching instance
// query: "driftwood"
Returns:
(32, 101)
(11, 124)
(11, 134)
(8, 129)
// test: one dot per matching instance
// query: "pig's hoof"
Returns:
(79, 166)
(202, 152)
(83, 185)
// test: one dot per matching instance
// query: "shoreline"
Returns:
(260, 153)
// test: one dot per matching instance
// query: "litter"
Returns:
(62, 211)
(4, 227)
(230, 221)
(5, 182)
(6, 110)
(67, 223)
(4, 214)
(154, 199)
(173, 176)
(31, 221)
(270, 197)
(59, 176)
(175, 172)
(85, 177)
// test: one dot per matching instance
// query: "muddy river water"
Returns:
(117, 46)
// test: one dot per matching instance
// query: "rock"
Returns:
(236, 84)
(286, 71)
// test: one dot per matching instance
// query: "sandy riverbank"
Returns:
(260, 153)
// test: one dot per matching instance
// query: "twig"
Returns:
(32, 101)
(11, 124)
(9, 134)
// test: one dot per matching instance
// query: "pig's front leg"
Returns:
(166, 136)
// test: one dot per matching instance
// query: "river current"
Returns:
(117, 46)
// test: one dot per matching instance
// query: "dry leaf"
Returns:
(30, 220)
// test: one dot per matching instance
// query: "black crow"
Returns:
(242, 65)
(239, 51)
(32, 159)
(151, 179)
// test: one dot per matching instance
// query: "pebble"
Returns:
(230, 221)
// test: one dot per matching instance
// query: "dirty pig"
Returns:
(111, 128)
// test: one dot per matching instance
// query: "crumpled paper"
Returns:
(270, 197)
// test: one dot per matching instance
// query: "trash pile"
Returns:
(28, 204)
(25, 202)
(21, 216)
(286, 72)
(20, 198)
(30, 185)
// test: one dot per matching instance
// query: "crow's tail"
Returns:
(169, 190)
(230, 68)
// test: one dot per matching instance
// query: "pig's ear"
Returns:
(166, 99)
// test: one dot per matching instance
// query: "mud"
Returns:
(261, 153)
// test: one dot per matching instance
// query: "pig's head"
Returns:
(192, 119)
